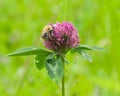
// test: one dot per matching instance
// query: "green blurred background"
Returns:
(98, 22)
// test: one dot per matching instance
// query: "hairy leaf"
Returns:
(40, 59)
(55, 68)
(52, 55)
(85, 55)
(33, 50)
(86, 47)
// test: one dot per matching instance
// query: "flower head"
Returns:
(61, 36)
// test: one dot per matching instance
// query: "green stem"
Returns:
(63, 85)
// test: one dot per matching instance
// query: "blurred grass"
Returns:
(98, 22)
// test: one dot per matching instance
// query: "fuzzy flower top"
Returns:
(61, 36)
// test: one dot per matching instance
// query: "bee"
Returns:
(47, 32)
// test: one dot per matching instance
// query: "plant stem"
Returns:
(63, 85)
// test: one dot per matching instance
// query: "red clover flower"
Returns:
(61, 37)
